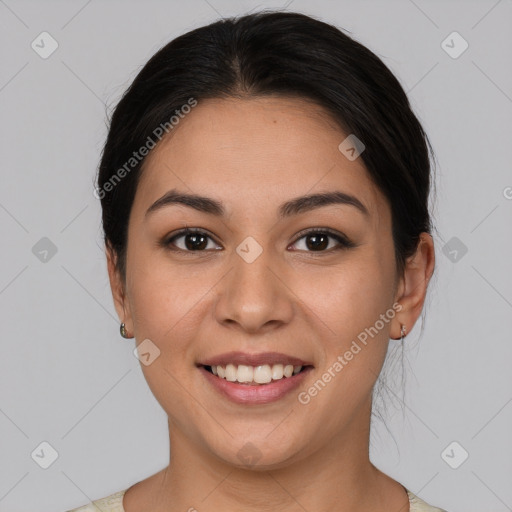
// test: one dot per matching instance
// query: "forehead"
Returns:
(254, 152)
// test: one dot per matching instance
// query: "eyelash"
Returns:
(343, 241)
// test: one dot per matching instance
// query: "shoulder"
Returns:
(418, 505)
(112, 503)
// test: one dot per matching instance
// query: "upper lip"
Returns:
(260, 359)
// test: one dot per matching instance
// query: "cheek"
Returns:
(350, 296)
(347, 302)
(376, 276)
(160, 293)
(169, 303)
(165, 305)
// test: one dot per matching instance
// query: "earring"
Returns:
(402, 333)
(122, 330)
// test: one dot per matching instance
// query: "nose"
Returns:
(254, 296)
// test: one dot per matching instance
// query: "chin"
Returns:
(258, 454)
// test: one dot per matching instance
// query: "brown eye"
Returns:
(318, 240)
(193, 241)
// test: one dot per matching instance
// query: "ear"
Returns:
(413, 285)
(118, 290)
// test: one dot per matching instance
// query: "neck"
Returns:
(338, 476)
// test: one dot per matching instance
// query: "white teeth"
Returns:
(277, 371)
(231, 372)
(244, 373)
(262, 374)
(255, 374)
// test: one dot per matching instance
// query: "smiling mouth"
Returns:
(255, 375)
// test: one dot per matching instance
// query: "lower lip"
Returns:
(259, 394)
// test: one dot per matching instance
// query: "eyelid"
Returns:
(343, 241)
(320, 229)
(341, 238)
(186, 231)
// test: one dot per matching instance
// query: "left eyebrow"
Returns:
(295, 206)
(307, 203)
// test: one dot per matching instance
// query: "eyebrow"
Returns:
(295, 206)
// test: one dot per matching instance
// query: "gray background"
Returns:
(66, 376)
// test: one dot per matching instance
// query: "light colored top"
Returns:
(114, 503)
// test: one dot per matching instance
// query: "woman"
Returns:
(264, 188)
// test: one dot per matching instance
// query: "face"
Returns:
(260, 283)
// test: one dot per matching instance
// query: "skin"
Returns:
(253, 155)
